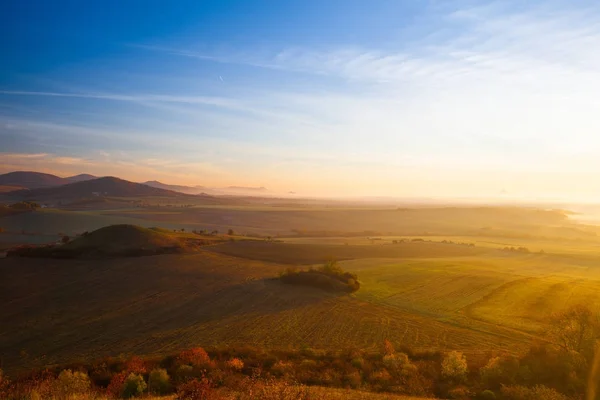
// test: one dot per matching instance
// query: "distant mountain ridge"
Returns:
(107, 186)
(31, 180)
(37, 180)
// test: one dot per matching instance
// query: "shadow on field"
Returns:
(61, 310)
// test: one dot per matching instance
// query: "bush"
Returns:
(498, 371)
(454, 367)
(196, 390)
(71, 383)
(134, 385)
(329, 277)
(235, 364)
(196, 357)
(158, 381)
(184, 373)
(135, 365)
(535, 393)
(399, 364)
(115, 387)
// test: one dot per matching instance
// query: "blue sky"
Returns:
(401, 98)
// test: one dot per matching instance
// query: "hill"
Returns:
(80, 178)
(107, 186)
(31, 180)
(116, 241)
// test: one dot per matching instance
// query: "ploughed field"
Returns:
(420, 295)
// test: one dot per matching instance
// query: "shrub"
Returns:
(500, 371)
(235, 364)
(535, 393)
(115, 387)
(196, 357)
(158, 381)
(329, 277)
(196, 390)
(184, 373)
(134, 385)
(381, 378)
(71, 383)
(281, 368)
(454, 367)
(135, 365)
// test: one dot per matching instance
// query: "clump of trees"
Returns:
(330, 277)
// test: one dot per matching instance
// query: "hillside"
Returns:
(107, 186)
(31, 180)
(118, 241)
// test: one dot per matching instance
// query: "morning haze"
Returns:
(299, 200)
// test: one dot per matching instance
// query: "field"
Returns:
(423, 295)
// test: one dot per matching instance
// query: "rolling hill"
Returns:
(107, 186)
(31, 180)
(35, 180)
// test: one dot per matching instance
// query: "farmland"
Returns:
(480, 281)
(226, 295)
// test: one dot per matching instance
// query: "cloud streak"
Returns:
(497, 90)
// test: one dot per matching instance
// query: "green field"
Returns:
(424, 295)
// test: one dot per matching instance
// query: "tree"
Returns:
(65, 239)
(575, 329)
(230, 232)
(158, 381)
(134, 386)
(454, 366)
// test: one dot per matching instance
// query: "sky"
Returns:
(401, 98)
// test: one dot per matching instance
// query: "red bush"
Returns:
(117, 382)
(196, 357)
(135, 365)
(196, 390)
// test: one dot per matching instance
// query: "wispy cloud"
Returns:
(505, 90)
